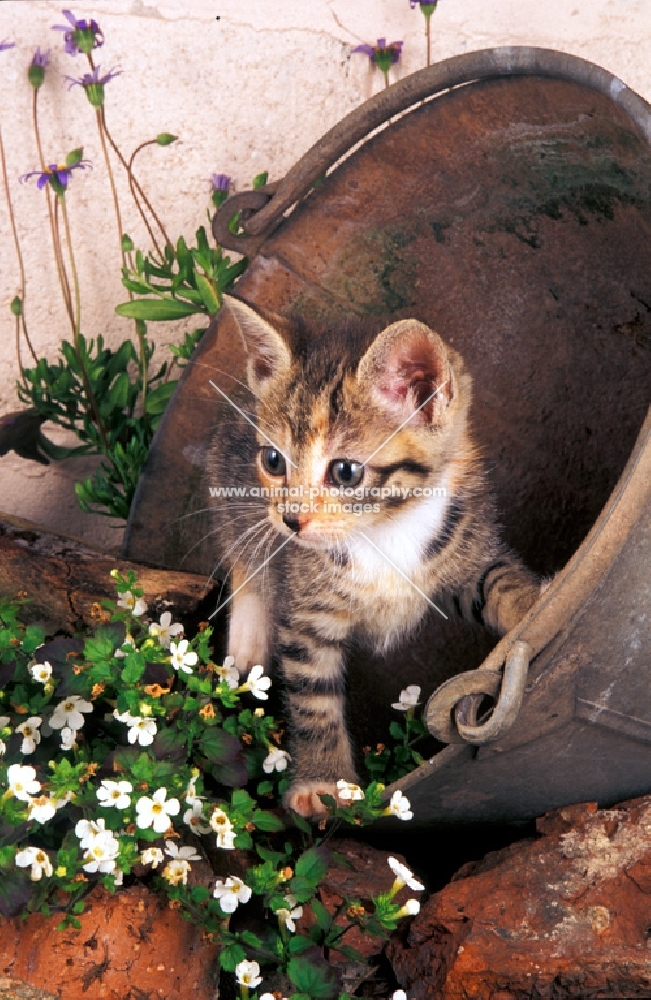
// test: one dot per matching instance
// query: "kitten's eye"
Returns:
(273, 462)
(343, 472)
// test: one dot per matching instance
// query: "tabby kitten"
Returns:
(384, 418)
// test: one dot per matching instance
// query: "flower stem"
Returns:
(92, 402)
(386, 77)
(136, 184)
(428, 22)
(114, 194)
(132, 186)
(56, 243)
(19, 319)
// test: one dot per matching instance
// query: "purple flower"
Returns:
(423, 3)
(93, 84)
(382, 55)
(220, 184)
(36, 70)
(80, 36)
(41, 58)
(6, 45)
(55, 175)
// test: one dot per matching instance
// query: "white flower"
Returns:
(29, 732)
(38, 859)
(118, 878)
(68, 712)
(152, 856)
(288, 914)
(276, 760)
(194, 818)
(180, 658)
(164, 630)
(42, 809)
(115, 793)
(248, 974)
(176, 871)
(68, 738)
(410, 909)
(228, 672)
(398, 995)
(348, 792)
(141, 729)
(257, 684)
(128, 641)
(221, 824)
(156, 812)
(403, 875)
(136, 606)
(399, 806)
(3, 747)
(186, 853)
(231, 893)
(88, 829)
(41, 672)
(63, 801)
(191, 796)
(4, 721)
(101, 853)
(22, 781)
(408, 698)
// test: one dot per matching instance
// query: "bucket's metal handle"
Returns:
(462, 694)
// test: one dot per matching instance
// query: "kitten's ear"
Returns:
(404, 365)
(268, 354)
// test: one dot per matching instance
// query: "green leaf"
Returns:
(156, 310)
(220, 747)
(208, 294)
(350, 953)
(137, 287)
(298, 943)
(75, 157)
(260, 180)
(313, 865)
(267, 822)
(318, 981)
(323, 918)
(230, 956)
(250, 939)
(158, 398)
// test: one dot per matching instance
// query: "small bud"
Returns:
(17, 306)
(127, 244)
(166, 138)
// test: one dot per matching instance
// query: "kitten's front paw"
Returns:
(303, 798)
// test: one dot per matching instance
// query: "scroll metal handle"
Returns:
(451, 712)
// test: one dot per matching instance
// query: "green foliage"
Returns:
(197, 743)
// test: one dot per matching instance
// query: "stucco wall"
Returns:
(246, 87)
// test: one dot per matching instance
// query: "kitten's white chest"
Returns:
(387, 572)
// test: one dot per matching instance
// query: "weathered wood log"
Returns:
(64, 577)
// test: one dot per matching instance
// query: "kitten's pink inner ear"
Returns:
(405, 365)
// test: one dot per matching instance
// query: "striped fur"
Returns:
(357, 395)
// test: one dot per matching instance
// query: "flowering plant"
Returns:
(111, 399)
(129, 754)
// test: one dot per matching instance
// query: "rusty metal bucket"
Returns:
(504, 198)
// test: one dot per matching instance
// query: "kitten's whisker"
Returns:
(273, 554)
(255, 426)
(214, 368)
(241, 540)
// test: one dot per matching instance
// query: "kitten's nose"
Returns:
(292, 523)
